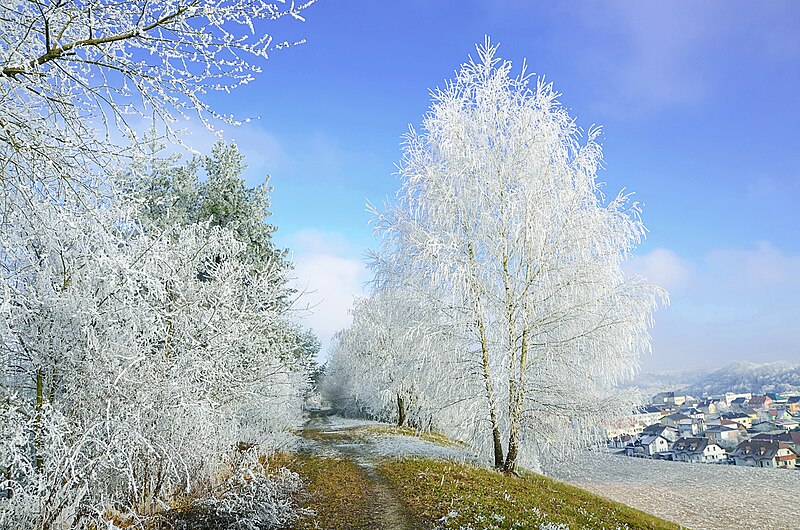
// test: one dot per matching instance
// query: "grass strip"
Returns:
(447, 495)
(337, 492)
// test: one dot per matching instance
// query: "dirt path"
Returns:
(322, 437)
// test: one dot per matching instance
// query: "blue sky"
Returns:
(700, 104)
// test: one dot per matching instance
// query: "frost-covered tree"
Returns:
(208, 188)
(74, 73)
(131, 378)
(143, 357)
(374, 356)
(501, 225)
(388, 365)
(138, 365)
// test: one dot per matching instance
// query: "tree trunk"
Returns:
(514, 382)
(496, 441)
(39, 419)
(513, 449)
(401, 411)
(515, 422)
(516, 399)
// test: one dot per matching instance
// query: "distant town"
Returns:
(741, 429)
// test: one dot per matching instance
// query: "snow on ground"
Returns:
(338, 423)
(359, 441)
(700, 496)
(401, 446)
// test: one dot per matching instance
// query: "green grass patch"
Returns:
(321, 435)
(447, 495)
(336, 490)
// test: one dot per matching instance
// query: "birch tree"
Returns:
(389, 363)
(502, 224)
(371, 360)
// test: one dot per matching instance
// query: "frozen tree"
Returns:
(75, 73)
(374, 355)
(208, 188)
(388, 364)
(131, 378)
(141, 361)
(502, 226)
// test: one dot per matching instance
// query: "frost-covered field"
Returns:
(700, 496)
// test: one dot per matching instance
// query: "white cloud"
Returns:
(262, 150)
(763, 266)
(330, 274)
(660, 267)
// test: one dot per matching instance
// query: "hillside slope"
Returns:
(375, 476)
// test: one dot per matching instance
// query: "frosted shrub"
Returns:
(249, 500)
(135, 374)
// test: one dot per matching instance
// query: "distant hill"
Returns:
(743, 376)
(650, 384)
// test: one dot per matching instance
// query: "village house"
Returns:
(670, 398)
(731, 396)
(765, 426)
(791, 438)
(692, 412)
(748, 411)
(787, 424)
(739, 417)
(698, 450)
(690, 427)
(647, 446)
(663, 397)
(633, 423)
(760, 402)
(781, 415)
(620, 441)
(674, 419)
(666, 409)
(708, 406)
(668, 432)
(724, 435)
(762, 453)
